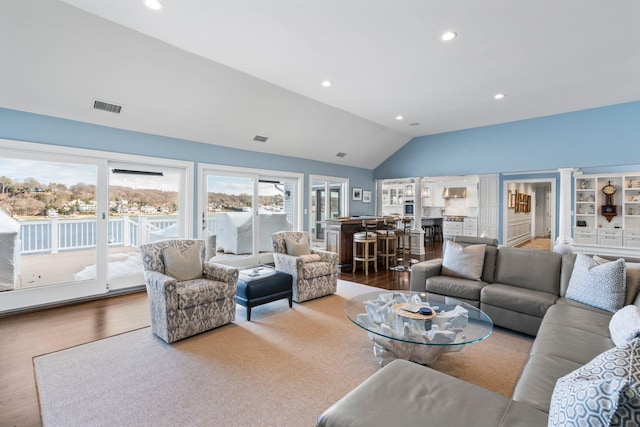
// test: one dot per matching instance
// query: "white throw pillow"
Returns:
(598, 285)
(298, 248)
(182, 264)
(463, 261)
(604, 392)
(624, 325)
(633, 279)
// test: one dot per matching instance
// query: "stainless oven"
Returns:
(408, 208)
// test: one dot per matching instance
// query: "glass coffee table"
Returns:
(399, 332)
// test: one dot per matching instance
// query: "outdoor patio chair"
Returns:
(186, 294)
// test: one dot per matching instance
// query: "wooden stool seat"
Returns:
(387, 242)
(362, 243)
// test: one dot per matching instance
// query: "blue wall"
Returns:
(605, 136)
(21, 126)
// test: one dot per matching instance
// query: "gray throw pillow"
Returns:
(598, 285)
(298, 247)
(604, 392)
(182, 264)
(463, 261)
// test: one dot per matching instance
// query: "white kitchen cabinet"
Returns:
(452, 228)
(433, 194)
(470, 227)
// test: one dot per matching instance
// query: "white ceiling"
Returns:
(228, 70)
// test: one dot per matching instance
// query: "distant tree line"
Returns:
(32, 198)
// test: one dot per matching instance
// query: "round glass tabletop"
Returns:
(395, 315)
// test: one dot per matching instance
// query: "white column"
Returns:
(378, 197)
(417, 233)
(564, 241)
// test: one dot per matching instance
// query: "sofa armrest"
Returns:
(220, 272)
(421, 271)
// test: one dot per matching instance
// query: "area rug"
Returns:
(284, 368)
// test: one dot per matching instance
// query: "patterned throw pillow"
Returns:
(604, 392)
(598, 285)
(463, 261)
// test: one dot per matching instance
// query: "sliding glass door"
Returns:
(325, 208)
(71, 221)
(241, 208)
(145, 205)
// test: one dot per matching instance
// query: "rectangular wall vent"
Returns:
(260, 138)
(105, 106)
(341, 154)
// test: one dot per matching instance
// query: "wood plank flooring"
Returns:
(25, 336)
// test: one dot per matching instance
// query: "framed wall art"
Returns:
(356, 193)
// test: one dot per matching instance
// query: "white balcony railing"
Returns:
(54, 234)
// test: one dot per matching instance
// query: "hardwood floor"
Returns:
(25, 336)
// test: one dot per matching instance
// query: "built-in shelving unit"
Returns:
(591, 227)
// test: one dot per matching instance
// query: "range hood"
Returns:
(454, 193)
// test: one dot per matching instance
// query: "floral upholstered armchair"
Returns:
(186, 294)
(315, 272)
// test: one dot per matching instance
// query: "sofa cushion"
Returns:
(528, 268)
(604, 392)
(407, 394)
(539, 377)
(461, 261)
(625, 325)
(517, 299)
(599, 285)
(183, 262)
(455, 287)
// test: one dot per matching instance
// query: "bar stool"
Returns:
(387, 241)
(437, 232)
(361, 245)
(428, 234)
(404, 241)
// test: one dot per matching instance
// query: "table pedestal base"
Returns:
(386, 350)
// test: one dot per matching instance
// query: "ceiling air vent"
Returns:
(105, 106)
(341, 154)
(260, 138)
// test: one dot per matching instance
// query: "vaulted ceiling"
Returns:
(222, 72)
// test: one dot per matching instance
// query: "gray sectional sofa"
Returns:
(520, 289)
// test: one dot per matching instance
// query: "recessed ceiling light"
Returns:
(153, 4)
(449, 35)
(498, 96)
(399, 117)
(326, 83)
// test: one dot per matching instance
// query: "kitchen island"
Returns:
(339, 237)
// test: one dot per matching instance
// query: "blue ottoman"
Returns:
(263, 288)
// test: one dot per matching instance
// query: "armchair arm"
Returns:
(161, 289)
(221, 272)
(327, 256)
(421, 271)
(288, 264)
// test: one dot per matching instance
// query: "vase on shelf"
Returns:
(583, 184)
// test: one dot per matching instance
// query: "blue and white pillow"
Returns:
(604, 392)
(600, 285)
